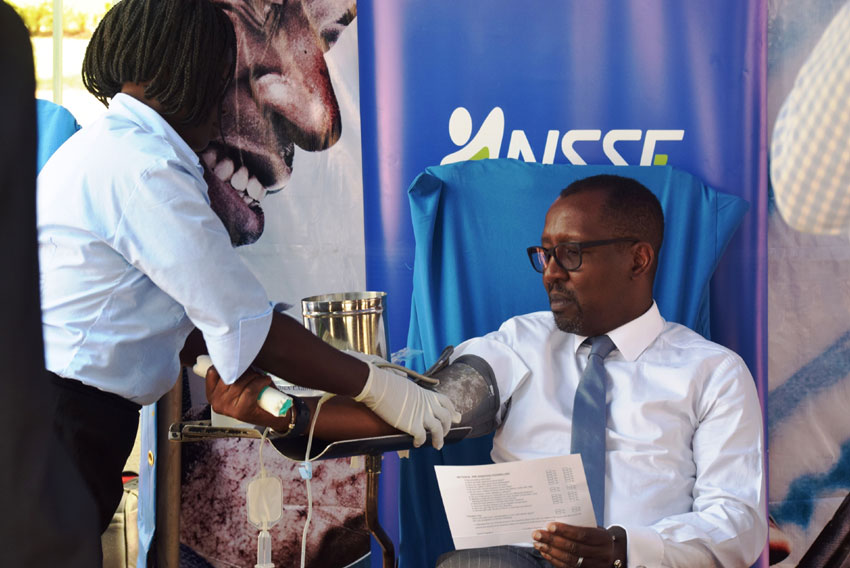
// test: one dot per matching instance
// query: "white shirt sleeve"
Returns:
(169, 232)
(727, 526)
(809, 157)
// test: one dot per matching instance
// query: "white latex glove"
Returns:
(365, 357)
(406, 406)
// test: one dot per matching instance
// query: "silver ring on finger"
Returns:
(580, 560)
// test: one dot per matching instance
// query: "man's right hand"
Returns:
(406, 406)
(566, 546)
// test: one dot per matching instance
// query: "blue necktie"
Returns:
(590, 417)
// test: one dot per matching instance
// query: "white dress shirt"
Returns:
(809, 159)
(132, 257)
(684, 460)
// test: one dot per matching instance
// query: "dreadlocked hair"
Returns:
(185, 50)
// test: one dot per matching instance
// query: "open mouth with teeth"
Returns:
(238, 181)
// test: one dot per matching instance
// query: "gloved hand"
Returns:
(406, 406)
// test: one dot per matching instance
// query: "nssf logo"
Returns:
(487, 142)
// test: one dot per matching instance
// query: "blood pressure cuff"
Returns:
(471, 385)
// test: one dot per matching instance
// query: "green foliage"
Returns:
(38, 18)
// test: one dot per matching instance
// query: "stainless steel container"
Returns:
(349, 320)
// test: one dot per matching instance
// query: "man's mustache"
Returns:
(557, 292)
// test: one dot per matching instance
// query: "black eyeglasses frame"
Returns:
(549, 253)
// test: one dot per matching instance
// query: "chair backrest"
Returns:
(472, 222)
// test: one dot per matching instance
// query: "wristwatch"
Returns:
(618, 537)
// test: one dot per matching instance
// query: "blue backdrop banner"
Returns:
(645, 83)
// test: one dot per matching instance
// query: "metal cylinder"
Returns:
(349, 320)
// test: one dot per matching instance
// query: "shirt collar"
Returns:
(138, 112)
(632, 338)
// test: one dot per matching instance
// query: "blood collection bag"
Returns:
(265, 507)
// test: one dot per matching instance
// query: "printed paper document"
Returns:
(491, 505)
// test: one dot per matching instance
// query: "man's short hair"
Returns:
(631, 210)
(181, 47)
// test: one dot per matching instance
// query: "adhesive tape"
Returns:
(274, 402)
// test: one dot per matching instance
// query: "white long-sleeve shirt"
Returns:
(684, 446)
(132, 257)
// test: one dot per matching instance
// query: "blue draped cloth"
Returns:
(55, 125)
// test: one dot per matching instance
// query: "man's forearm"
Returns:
(340, 418)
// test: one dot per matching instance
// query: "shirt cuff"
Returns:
(233, 353)
(644, 547)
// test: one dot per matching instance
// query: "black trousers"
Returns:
(99, 430)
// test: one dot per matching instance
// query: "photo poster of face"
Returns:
(286, 180)
(808, 434)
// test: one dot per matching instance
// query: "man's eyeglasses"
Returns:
(567, 255)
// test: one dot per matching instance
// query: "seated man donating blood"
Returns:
(683, 482)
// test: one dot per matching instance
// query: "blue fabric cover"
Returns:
(55, 125)
(472, 222)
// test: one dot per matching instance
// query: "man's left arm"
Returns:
(729, 517)
(727, 524)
